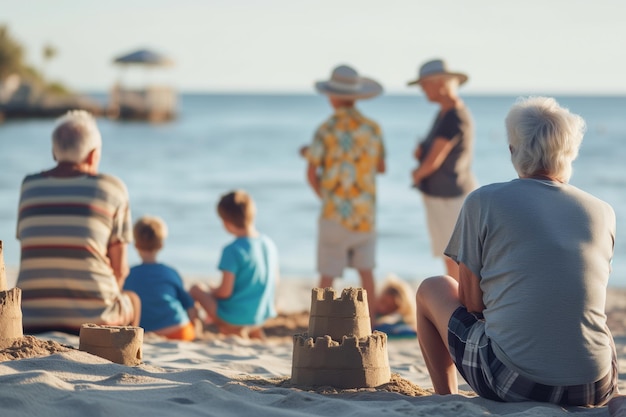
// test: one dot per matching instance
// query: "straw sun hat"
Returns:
(346, 83)
(437, 67)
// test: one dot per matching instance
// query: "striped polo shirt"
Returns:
(65, 226)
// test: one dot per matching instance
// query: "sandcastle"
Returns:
(10, 309)
(340, 349)
(119, 344)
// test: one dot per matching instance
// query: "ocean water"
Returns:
(221, 142)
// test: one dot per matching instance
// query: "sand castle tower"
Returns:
(119, 344)
(10, 309)
(340, 349)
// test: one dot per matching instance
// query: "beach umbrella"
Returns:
(144, 57)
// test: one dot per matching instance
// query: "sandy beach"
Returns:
(231, 376)
(356, 130)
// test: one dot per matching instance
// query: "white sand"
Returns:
(236, 377)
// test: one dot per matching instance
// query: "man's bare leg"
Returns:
(368, 284)
(326, 281)
(437, 298)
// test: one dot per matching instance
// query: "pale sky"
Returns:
(523, 46)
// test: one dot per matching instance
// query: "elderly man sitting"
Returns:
(526, 321)
(74, 225)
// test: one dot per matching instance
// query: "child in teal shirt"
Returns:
(244, 300)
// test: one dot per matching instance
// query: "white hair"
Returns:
(75, 135)
(543, 137)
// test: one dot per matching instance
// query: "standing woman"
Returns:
(444, 173)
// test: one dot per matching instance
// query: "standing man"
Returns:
(444, 173)
(346, 154)
(74, 225)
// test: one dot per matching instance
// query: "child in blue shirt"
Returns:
(165, 305)
(244, 300)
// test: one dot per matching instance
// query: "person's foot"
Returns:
(256, 333)
(199, 327)
(617, 406)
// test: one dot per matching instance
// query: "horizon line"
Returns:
(201, 91)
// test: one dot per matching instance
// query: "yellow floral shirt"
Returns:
(348, 148)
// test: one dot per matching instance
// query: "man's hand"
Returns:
(314, 179)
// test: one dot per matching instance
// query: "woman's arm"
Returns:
(433, 160)
(418, 152)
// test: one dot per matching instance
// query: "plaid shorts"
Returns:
(473, 356)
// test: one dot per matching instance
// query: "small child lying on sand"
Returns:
(395, 309)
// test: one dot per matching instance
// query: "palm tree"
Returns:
(49, 52)
(11, 54)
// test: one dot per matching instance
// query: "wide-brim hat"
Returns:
(346, 83)
(437, 67)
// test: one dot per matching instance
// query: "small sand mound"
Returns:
(404, 387)
(397, 384)
(31, 347)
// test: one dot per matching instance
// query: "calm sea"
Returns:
(222, 142)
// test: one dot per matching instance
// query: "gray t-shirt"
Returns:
(454, 177)
(542, 251)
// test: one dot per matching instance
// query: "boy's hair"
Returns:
(149, 233)
(237, 208)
